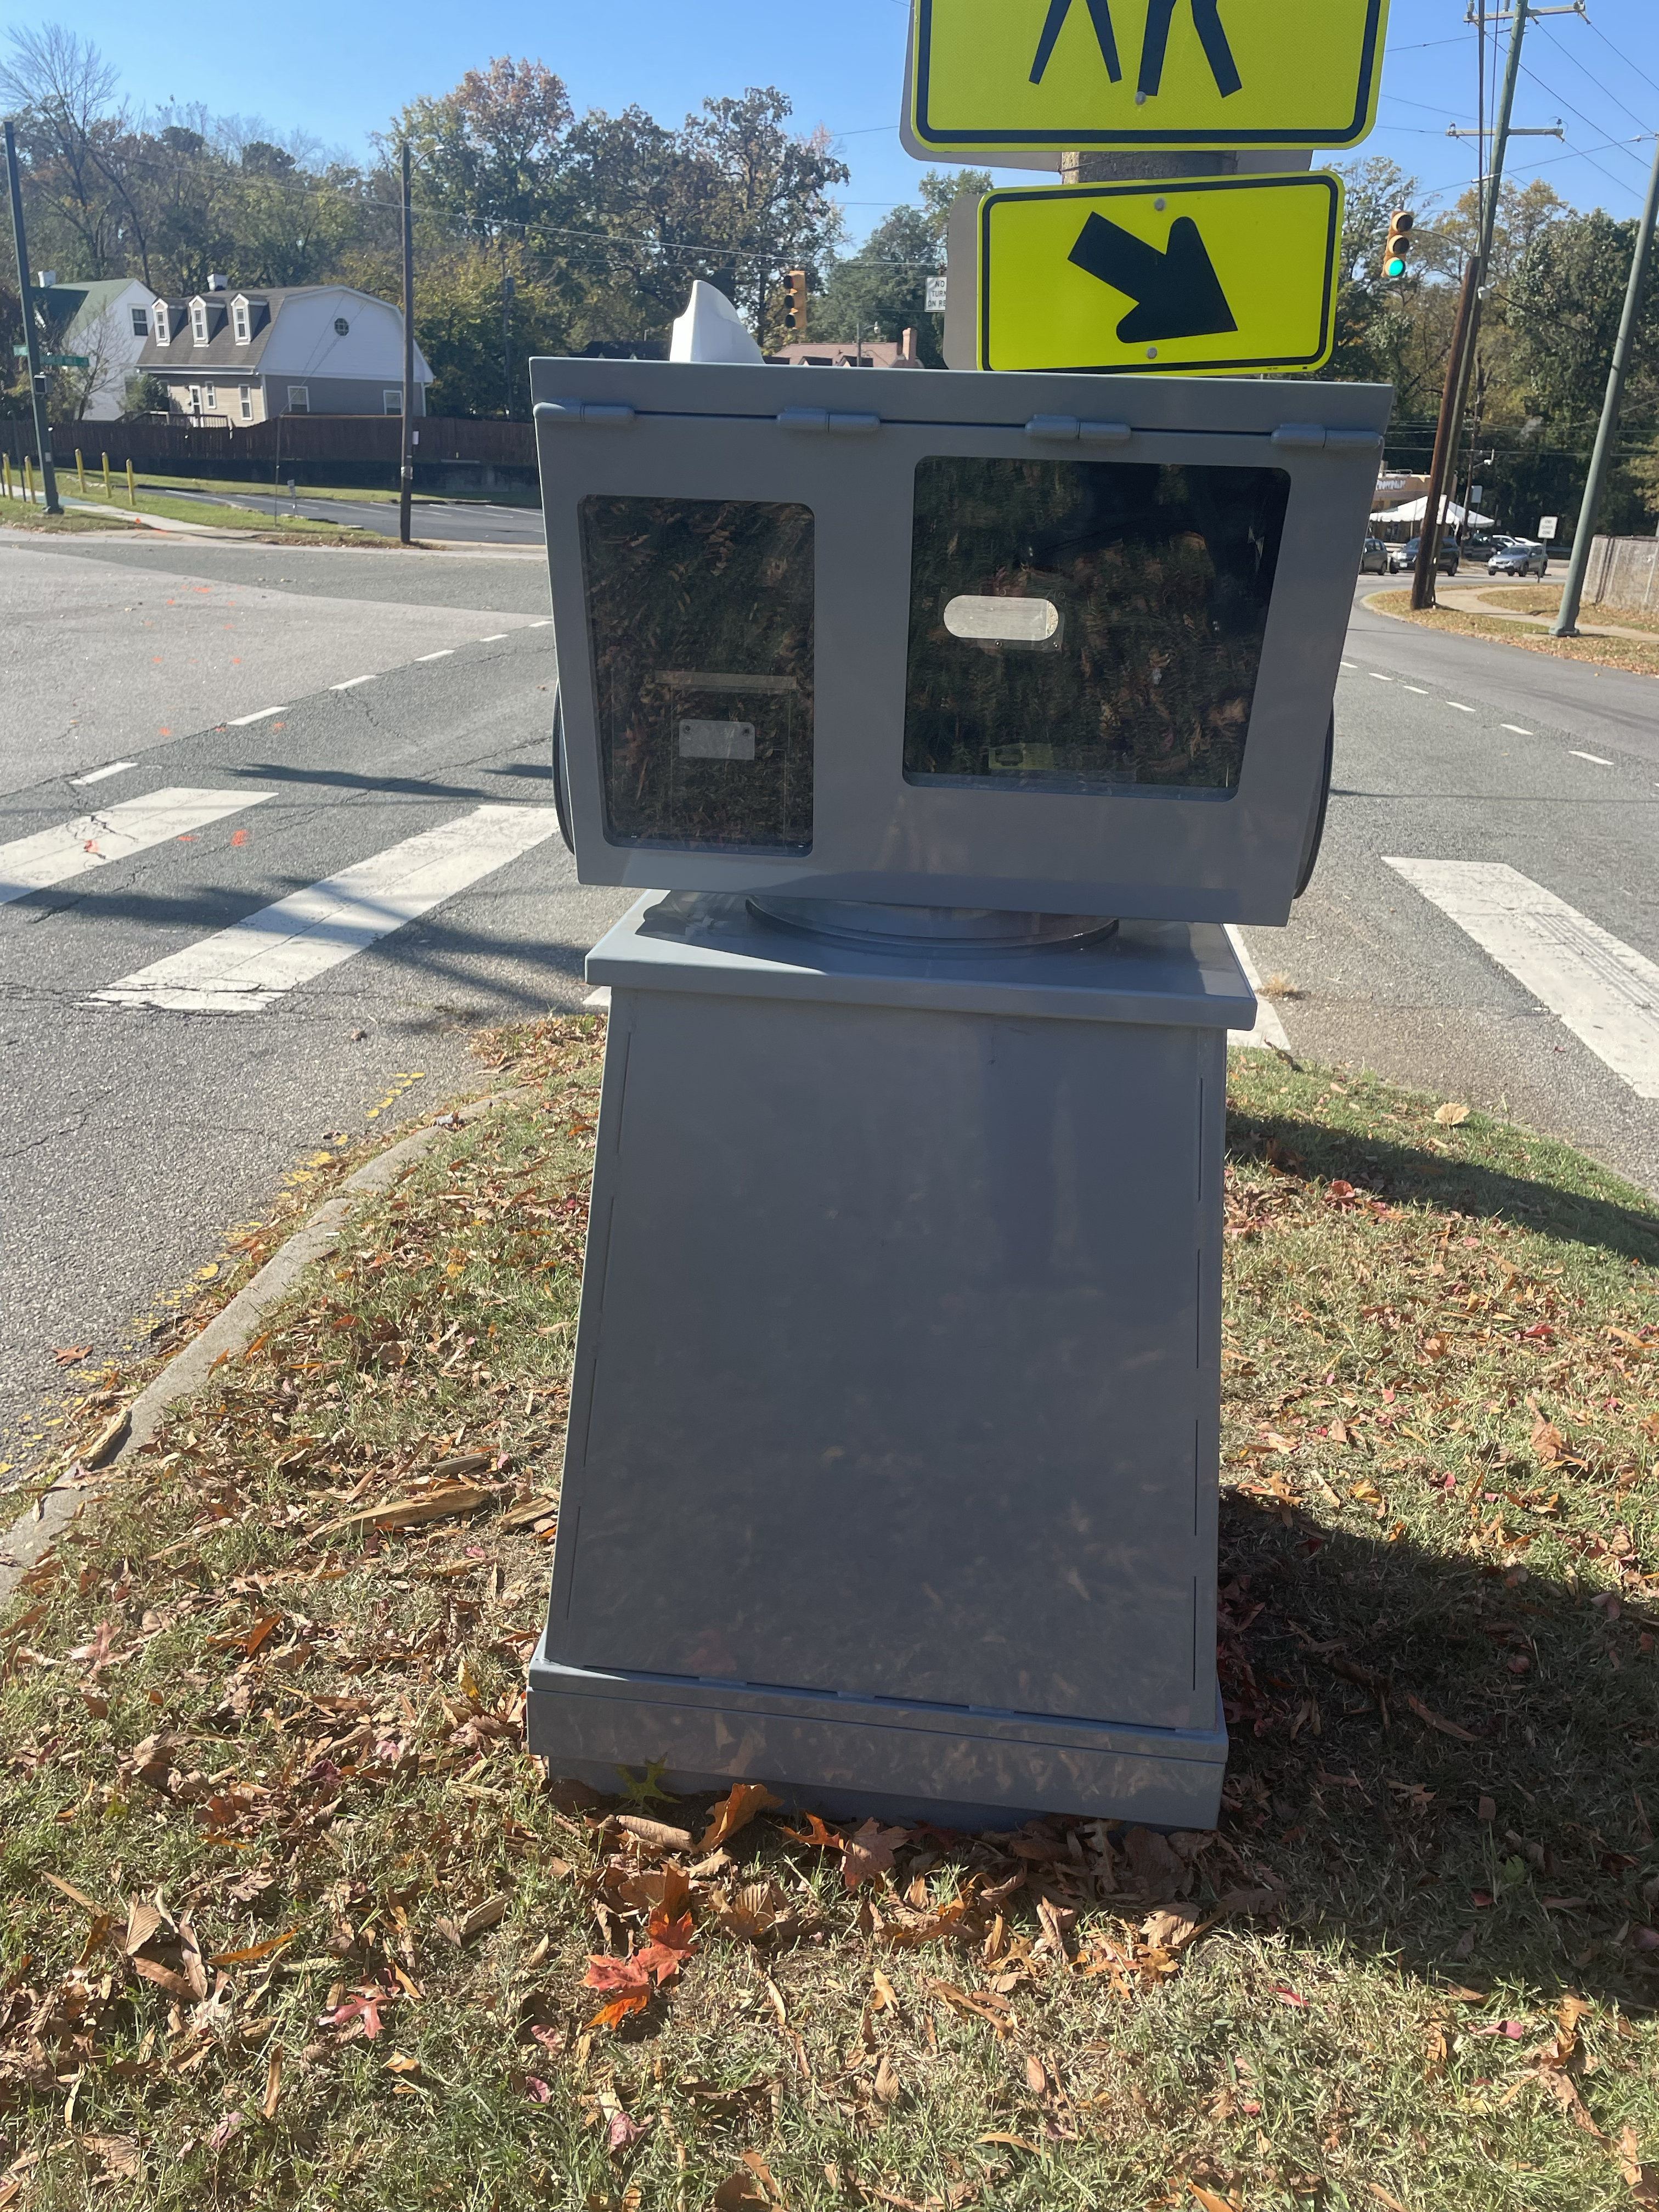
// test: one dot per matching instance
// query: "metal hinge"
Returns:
(601, 411)
(1315, 437)
(1070, 427)
(821, 418)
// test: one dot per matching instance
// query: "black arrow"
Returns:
(1177, 293)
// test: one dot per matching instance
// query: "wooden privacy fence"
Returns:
(369, 440)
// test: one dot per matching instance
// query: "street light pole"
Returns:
(406, 471)
(25, 300)
(1572, 592)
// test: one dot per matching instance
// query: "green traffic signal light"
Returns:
(1395, 267)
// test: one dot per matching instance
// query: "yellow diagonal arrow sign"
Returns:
(1011, 76)
(1218, 275)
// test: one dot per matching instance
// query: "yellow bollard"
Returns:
(132, 486)
(81, 471)
(29, 479)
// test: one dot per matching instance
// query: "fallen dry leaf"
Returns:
(1442, 1726)
(657, 1833)
(273, 2084)
(1015, 2143)
(736, 1810)
(120, 2155)
(1036, 2080)
(1209, 2200)
(1451, 1117)
(1641, 2180)
(887, 2081)
(823, 1838)
(409, 1512)
(869, 1852)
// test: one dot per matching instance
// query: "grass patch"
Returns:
(24, 514)
(1631, 653)
(1546, 599)
(1413, 1965)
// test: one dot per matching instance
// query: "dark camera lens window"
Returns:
(700, 613)
(1087, 625)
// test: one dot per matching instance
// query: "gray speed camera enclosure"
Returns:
(889, 1478)
(1060, 644)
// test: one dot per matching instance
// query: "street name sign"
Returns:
(992, 78)
(1216, 275)
(56, 360)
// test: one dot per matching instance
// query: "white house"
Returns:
(109, 322)
(243, 356)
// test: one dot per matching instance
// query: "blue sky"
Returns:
(340, 72)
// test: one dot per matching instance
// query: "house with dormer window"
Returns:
(230, 357)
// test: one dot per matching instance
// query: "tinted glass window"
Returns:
(1086, 625)
(700, 613)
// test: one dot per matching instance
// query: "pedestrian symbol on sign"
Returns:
(1160, 17)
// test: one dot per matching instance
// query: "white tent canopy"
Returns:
(1459, 517)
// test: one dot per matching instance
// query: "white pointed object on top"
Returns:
(711, 329)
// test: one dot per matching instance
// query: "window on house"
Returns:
(245, 395)
(163, 333)
(194, 399)
(212, 398)
(239, 321)
(140, 322)
(392, 402)
(299, 399)
(198, 322)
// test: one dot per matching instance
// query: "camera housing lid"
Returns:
(1034, 642)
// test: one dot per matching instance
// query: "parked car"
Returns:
(1374, 558)
(1518, 556)
(1402, 557)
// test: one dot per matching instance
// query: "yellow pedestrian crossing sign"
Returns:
(991, 76)
(1216, 275)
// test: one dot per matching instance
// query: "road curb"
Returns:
(26, 1541)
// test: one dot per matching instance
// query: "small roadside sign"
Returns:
(1547, 526)
(1219, 276)
(991, 76)
(936, 295)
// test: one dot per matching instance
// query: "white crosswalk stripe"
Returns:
(248, 966)
(1604, 991)
(114, 833)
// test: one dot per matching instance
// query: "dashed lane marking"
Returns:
(442, 653)
(1515, 729)
(97, 776)
(494, 637)
(248, 966)
(1596, 757)
(241, 721)
(92, 840)
(1376, 679)
(1418, 688)
(351, 682)
(1603, 990)
(1458, 708)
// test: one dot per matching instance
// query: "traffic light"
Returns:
(1401, 223)
(794, 303)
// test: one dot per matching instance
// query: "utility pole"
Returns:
(507, 338)
(1460, 368)
(1572, 592)
(25, 300)
(406, 471)
(1428, 535)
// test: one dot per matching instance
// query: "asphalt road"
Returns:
(1449, 748)
(453, 521)
(199, 731)
(135, 1136)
